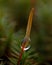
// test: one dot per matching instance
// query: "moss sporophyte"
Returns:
(27, 36)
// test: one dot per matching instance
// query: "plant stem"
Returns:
(27, 34)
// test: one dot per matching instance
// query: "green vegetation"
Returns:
(13, 22)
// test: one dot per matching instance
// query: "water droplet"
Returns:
(27, 48)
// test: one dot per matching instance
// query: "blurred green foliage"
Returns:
(13, 21)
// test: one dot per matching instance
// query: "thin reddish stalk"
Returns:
(29, 25)
(27, 34)
(22, 51)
